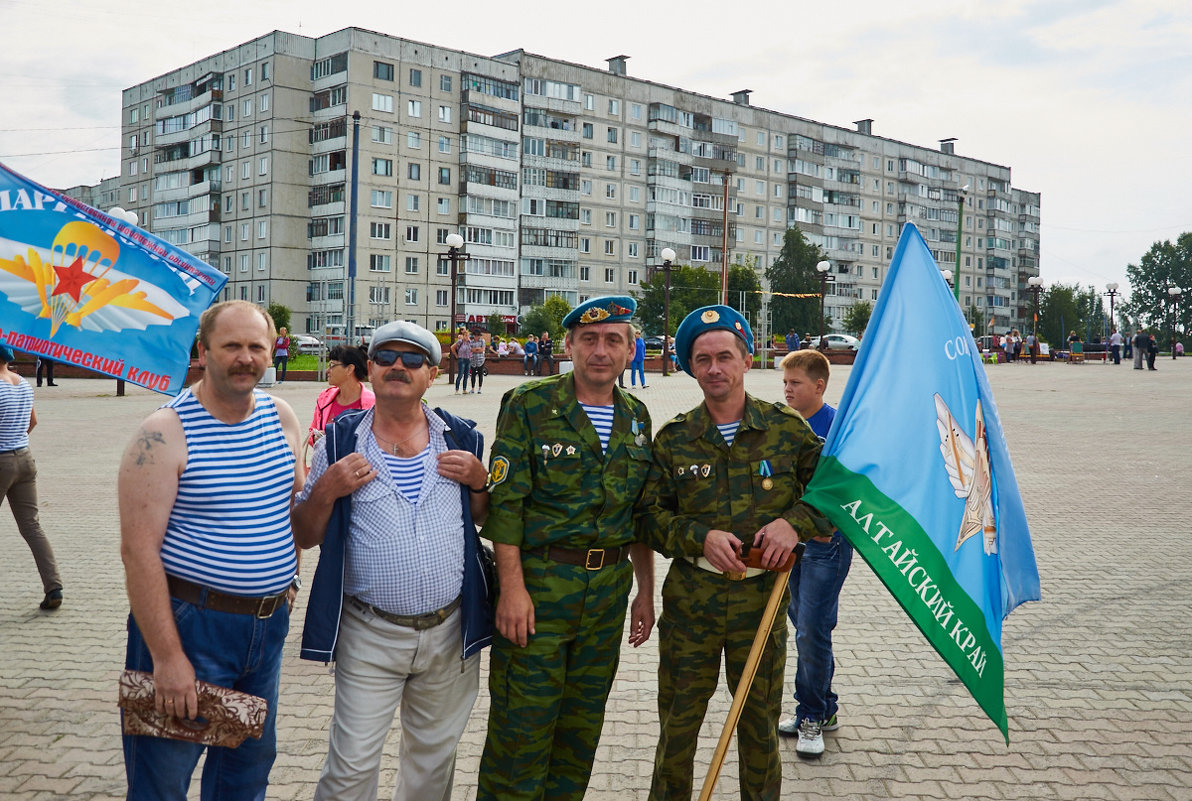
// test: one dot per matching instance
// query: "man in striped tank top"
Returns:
(395, 599)
(727, 475)
(205, 489)
(568, 465)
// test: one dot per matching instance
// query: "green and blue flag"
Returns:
(916, 473)
(84, 287)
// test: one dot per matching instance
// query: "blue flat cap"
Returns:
(616, 309)
(416, 335)
(703, 320)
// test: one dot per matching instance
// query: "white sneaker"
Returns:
(811, 741)
(788, 726)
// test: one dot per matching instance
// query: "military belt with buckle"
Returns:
(587, 558)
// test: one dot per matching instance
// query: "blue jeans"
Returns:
(279, 366)
(815, 600)
(637, 369)
(462, 368)
(238, 651)
(530, 362)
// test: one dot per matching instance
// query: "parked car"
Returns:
(653, 343)
(304, 343)
(837, 342)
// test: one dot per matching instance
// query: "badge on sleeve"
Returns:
(499, 471)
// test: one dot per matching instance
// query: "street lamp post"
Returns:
(668, 256)
(822, 268)
(1112, 292)
(1173, 292)
(959, 231)
(454, 242)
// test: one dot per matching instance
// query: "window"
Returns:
(411, 297)
(382, 102)
(633, 252)
(414, 108)
(382, 166)
(634, 222)
(585, 216)
(378, 294)
(444, 144)
(444, 113)
(635, 167)
(585, 273)
(382, 134)
(245, 170)
(265, 71)
(610, 163)
(382, 71)
(413, 140)
(635, 194)
(415, 77)
(132, 194)
(445, 176)
(588, 130)
(612, 135)
(445, 83)
(378, 230)
(614, 106)
(243, 262)
(227, 233)
(443, 205)
(610, 191)
(263, 165)
(264, 134)
(262, 263)
(244, 201)
(585, 244)
(589, 102)
(382, 199)
(413, 202)
(411, 233)
(247, 112)
(262, 229)
(414, 171)
(411, 265)
(635, 140)
(441, 297)
(585, 187)
(610, 219)
(631, 276)
(378, 263)
(263, 103)
(610, 275)
(635, 111)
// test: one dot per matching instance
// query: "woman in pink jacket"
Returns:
(347, 368)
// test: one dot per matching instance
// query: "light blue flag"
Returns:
(915, 472)
(79, 286)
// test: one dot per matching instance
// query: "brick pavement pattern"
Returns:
(1098, 674)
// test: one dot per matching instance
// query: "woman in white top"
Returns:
(18, 474)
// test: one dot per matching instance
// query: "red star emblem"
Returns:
(72, 279)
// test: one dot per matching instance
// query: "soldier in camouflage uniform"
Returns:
(727, 474)
(562, 522)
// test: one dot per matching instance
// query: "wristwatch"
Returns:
(296, 584)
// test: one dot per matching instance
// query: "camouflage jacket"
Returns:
(550, 483)
(697, 483)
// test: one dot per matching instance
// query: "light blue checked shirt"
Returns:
(406, 558)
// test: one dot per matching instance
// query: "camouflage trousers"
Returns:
(547, 699)
(704, 615)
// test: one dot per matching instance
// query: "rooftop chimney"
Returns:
(864, 126)
(616, 65)
(741, 98)
(948, 145)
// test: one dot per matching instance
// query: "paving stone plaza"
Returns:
(1098, 674)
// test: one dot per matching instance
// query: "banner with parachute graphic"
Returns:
(916, 473)
(82, 287)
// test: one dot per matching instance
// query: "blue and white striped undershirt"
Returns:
(729, 431)
(407, 472)
(602, 421)
(230, 526)
(16, 401)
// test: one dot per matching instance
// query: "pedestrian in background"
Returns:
(462, 351)
(18, 474)
(637, 367)
(1140, 342)
(347, 369)
(546, 354)
(1115, 346)
(530, 360)
(47, 366)
(281, 353)
(1152, 351)
(480, 349)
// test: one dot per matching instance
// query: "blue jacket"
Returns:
(323, 611)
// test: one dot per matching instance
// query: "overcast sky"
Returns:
(1087, 101)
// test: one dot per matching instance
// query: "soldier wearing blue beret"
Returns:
(726, 475)
(566, 472)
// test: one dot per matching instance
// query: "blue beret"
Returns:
(617, 309)
(703, 320)
(6, 355)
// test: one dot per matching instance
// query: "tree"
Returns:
(1064, 308)
(745, 289)
(856, 318)
(280, 315)
(1164, 265)
(690, 288)
(547, 317)
(496, 324)
(793, 273)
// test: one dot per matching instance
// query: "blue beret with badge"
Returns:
(616, 309)
(703, 320)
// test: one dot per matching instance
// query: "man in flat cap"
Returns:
(399, 598)
(567, 467)
(727, 475)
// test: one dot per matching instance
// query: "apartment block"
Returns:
(326, 173)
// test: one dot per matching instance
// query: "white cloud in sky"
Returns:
(1088, 101)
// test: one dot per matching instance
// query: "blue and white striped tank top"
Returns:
(602, 421)
(230, 525)
(16, 404)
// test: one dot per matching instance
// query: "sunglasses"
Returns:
(410, 361)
